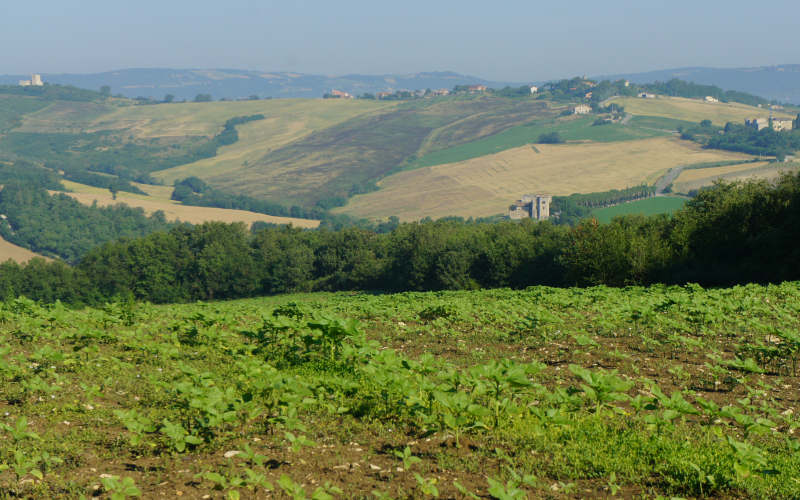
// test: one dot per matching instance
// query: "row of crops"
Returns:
(659, 391)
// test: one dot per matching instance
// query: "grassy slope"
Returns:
(286, 120)
(159, 200)
(697, 178)
(487, 185)
(649, 206)
(13, 108)
(693, 110)
(99, 386)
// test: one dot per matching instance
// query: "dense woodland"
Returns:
(59, 226)
(732, 233)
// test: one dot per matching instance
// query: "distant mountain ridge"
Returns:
(233, 84)
(779, 83)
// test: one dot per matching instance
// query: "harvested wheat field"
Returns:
(694, 110)
(176, 211)
(697, 178)
(16, 253)
(488, 185)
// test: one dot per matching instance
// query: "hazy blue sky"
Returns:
(499, 40)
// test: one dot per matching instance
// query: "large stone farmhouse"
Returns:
(535, 206)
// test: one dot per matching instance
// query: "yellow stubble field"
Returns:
(487, 185)
(174, 211)
(697, 178)
(16, 253)
(694, 110)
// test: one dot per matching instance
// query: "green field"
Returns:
(544, 393)
(13, 108)
(580, 129)
(649, 206)
(658, 123)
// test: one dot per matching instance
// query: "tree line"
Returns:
(731, 233)
(578, 206)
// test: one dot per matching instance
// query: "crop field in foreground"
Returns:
(488, 185)
(648, 206)
(15, 253)
(558, 393)
(175, 211)
(697, 178)
(693, 110)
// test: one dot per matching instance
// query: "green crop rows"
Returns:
(637, 392)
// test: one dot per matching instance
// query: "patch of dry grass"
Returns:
(697, 178)
(16, 253)
(174, 210)
(693, 110)
(488, 185)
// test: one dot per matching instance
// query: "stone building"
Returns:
(35, 81)
(582, 109)
(780, 124)
(535, 206)
(757, 123)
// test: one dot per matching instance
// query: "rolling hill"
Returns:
(467, 154)
(780, 83)
(234, 84)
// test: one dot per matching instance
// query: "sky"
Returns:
(502, 40)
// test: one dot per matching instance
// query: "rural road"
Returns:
(667, 179)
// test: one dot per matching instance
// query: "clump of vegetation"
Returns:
(550, 138)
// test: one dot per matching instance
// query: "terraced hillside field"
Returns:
(487, 185)
(695, 179)
(158, 199)
(694, 110)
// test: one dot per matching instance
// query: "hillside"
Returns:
(487, 185)
(695, 110)
(694, 179)
(338, 161)
(780, 83)
(300, 157)
(235, 84)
